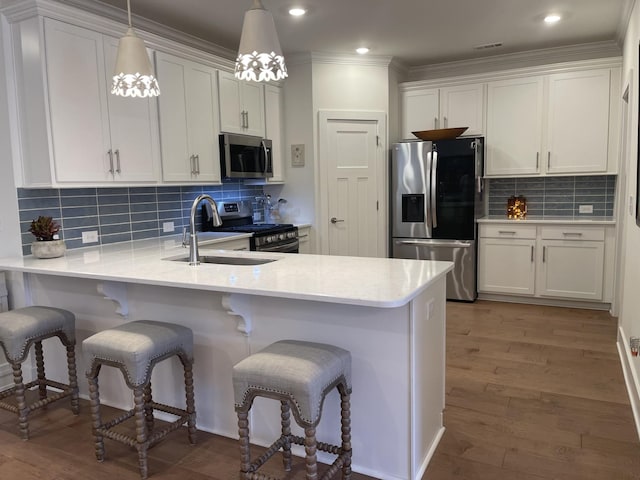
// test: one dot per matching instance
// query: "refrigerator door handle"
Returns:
(434, 167)
(435, 243)
(427, 207)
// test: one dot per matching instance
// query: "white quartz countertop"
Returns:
(376, 282)
(533, 219)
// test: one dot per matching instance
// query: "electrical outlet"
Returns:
(585, 209)
(90, 237)
(297, 155)
(168, 227)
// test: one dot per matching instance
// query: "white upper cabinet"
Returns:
(562, 123)
(447, 107)
(578, 122)
(189, 125)
(275, 130)
(241, 106)
(96, 137)
(514, 126)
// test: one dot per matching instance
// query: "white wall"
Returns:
(629, 320)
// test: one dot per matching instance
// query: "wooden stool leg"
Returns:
(285, 416)
(148, 407)
(346, 432)
(42, 381)
(23, 410)
(73, 379)
(141, 430)
(96, 418)
(191, 405)
(245, 452)
(310, 450)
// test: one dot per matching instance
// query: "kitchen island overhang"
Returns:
(389, 313)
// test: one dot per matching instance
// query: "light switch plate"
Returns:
(90, 236)
(167, 227)
(297, 155)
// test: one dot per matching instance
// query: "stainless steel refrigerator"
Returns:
(436, 197)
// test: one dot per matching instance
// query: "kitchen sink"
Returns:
(227, 260)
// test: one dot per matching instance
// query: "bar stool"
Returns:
(135, 348)
(21, 328)
(299, 375)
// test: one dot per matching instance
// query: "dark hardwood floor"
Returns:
(533, 393)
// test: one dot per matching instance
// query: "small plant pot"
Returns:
(48, 249)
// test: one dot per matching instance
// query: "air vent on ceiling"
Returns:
(487, 45)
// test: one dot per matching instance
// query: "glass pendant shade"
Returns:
(133, 75)
(259, 56)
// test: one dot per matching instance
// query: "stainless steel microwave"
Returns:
(245, 156)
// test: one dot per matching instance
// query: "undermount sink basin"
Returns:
(227, 260)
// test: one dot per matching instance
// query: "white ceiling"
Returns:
(416, 32)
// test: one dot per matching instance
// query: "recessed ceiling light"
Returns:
(552, 18)
(297, 11)
(362, 50)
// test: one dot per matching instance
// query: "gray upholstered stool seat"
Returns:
(299, 375)
(135, 348)
(23, 327)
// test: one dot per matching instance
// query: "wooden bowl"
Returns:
(440, 134)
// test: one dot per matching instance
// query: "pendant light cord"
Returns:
(129, 11)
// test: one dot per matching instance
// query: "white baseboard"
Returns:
(630, 376)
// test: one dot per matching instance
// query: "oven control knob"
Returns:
(282, 237)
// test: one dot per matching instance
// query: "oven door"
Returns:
(290, 246)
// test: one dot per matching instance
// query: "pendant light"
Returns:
(259, 56)
(133, 75)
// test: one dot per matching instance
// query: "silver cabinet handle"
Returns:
(247, 117)
(335, 220)
(110, 153)
(544, 254)
(446, 122)
(537, 161)
(572, 234)
(532, 253)
(435, 122)
(548, 159)
(192, 161)
(242, 125)
(197, 159)
(118, 161)
(506, 232)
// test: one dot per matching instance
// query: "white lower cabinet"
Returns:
(561, 261)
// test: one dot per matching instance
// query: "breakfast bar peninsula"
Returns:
(389, 313)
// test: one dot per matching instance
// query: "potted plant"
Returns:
(47, 244)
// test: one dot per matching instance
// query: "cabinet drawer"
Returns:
(569, 232)
(507, 231)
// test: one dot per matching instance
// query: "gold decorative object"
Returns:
(517, 207)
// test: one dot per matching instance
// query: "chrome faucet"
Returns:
(194, 258)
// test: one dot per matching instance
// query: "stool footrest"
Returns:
(51, 396)
(275, 446)
(325, 447)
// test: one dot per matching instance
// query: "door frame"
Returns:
(322, 198)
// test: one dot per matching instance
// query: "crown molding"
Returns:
(347, 59)
(400, 68)
(625, 18)
(510, 61)
(112, 21)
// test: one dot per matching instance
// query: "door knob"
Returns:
(335, 220)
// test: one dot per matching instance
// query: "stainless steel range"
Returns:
(238, 217)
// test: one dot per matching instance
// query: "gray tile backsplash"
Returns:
(118, 214)
(555, 196)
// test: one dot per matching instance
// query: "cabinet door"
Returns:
(77, 92)
(274, 130)
(133, 123)
(253, 104)
(578, 122)
(231, 118)
(571, 269)
(202, 120)
(506, 266)
(177, 162)
(463, 106)
(514, 126)
(420, 111)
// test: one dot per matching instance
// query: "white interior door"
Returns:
(353, 154)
